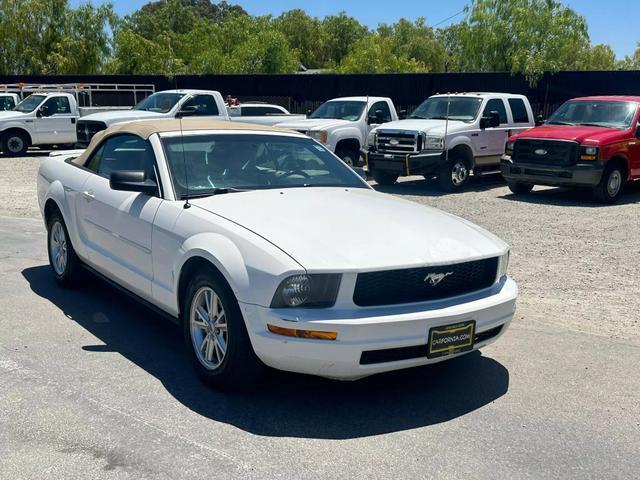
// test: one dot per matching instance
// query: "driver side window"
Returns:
(56, 105)
(205, 105)
(384, 108)
(123, 152)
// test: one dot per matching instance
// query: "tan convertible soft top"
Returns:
(145, 128)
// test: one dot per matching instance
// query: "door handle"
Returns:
(88, 196)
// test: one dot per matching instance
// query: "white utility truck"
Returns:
(342, 124)
(160, 105)
(8, 101)
(448, 136)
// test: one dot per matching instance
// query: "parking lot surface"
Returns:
(93, 385)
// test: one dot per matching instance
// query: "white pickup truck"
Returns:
(342, 124)
(448, 136)
(165, 104)
(41, 119)
(8, 101)
(261, 114)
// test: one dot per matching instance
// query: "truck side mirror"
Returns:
(539, 120)
(402, 114)
(376, 118)
(490, 121)
(187, 111)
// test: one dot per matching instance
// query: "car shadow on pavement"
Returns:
(286, 405)
(431, 188)
(574, 197)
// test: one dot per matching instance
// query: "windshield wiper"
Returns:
(591, 125)
(215, 191)
(419, 117)
(558, 122)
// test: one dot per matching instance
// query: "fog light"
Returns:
(292, 332)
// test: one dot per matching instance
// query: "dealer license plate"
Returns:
(451, 339)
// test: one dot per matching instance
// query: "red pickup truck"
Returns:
(589, 142)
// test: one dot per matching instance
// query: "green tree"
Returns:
(305, 34)
(599, 57)
(374, 54)
(342, 32)
(135, 54)
(266, 51)
(630, 62)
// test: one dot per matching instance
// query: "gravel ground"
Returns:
(576, 262)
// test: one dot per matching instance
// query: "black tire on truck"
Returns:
(348, 156)
(15, 143)
(611, 183)
(216, 336)
(454, 174)
(385, 178)
(520, 188)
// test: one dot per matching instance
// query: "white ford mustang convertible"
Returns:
(269, 250)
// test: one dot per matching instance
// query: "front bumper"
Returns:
(403, 164)
(582, 174)
(374, 329)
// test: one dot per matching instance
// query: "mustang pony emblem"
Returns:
(435, 278)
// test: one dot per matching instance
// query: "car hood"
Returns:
(314, 124)
(11, 115)
(357, 229)
(584, 135)
(432, 127)
(122, 116)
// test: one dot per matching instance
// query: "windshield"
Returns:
(602, 113)
(342, 110)
(30, 103)
(159, 102)
(242, 161)
(464, 109)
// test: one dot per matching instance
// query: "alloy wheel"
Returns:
(459, 173)
(208, 326)
(58, 248)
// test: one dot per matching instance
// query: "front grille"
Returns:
(372, 357)
(398, 142)
(545, 152)
(392, 287)
(86, 129)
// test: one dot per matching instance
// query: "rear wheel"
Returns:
(519, 188)
(611, 184)
(62, 257)
(454, 174)
(216, 336)
(15, 144)
(384, 178)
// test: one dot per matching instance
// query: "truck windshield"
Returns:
(159, 102)
(342, 109)
(206, 164)
(464, 109)
(30, 103)
(595, 113)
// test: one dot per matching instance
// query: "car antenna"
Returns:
(181, 113)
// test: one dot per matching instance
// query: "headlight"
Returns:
(371, 139)
(433, 143)
(508, 148)
(308, 291)
(503, 265)
(589, 153)
(319, 135)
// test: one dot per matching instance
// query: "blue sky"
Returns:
(613, 21)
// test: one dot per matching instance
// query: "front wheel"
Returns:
(348, 156)
(454, 174)
(15, 144)
(216, 336)
(62, 257)
(519, 188)
(384, 178)
(611, 184)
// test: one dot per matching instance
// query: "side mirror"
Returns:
(186, 111)
(402, 114)
(638, 131)
(132, 181)
(539, 120)
(40, 112)
(491, 121)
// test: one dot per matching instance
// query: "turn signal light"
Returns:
(292, 332)
(588, 157)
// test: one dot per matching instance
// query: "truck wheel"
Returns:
(348, 156)
(519, 188)
(454, 174)
(216, 335)
(384, 178)
(15, 144)
(611, 184)
(63, 260)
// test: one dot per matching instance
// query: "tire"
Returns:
(15, 144)
(63, 260)
(226, 361)
(454, 174)
(384, 178)
(611, 184)
(348, 156)
(519, 188)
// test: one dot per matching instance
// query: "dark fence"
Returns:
(300, 93)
